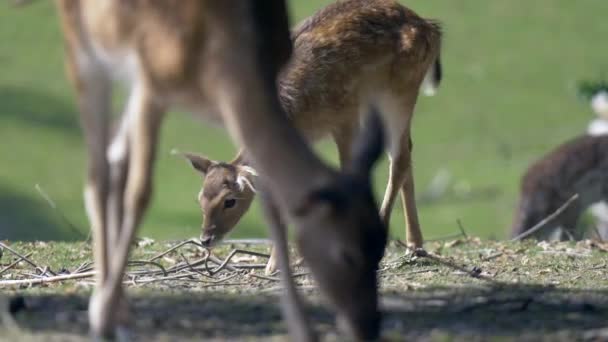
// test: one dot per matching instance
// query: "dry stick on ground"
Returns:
(492, 257)
(191, 241)
(233, 253)
(475, 272)
(45, 280)
(14, 263)
(542, 224)
(462, 231)
(24, 258)
(146, 262)
(192, 267)
(82, 272)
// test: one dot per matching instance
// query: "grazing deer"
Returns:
(220, 60)
(347, 55)
(579, 166)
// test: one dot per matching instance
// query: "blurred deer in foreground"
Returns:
(220, 60)
(579, 166)
(345, 56)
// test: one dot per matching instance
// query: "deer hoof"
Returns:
(271, 266)
(109, 315)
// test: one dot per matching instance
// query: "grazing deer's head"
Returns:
(354, 235)
(227, 192)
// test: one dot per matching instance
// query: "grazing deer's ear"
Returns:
(198, 162)
(245, 177)
(368, 147)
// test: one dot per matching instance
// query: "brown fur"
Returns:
(347, 55)
(220, 59)
(579, 166)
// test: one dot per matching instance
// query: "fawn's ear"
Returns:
(198, 162)
(368, 147)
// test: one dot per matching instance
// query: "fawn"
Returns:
(345, 56)
(220, 60)
(579, 166)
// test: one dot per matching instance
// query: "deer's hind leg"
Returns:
(343, 137)
(398, 111)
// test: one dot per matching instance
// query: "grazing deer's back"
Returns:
(579, 166)
(564, 168)
(350, 49)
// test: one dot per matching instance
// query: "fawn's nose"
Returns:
(207, 236)
(206, 240)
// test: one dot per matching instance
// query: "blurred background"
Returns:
(508, 96)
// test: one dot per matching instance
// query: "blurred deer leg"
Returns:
(401, 173)
(293, 310)
(408, 198)
(143, 135)
(94, 98)
(118, 154)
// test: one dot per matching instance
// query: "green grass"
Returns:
(508, 96)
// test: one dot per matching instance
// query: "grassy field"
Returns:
(508, 96)
(471, 290)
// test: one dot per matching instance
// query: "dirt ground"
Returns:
(468, 290)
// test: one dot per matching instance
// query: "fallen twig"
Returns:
(263, 277)
(492, 256)
(14, 263)
(475, 272)
(462, 231)
(146, 262)
(224, 264)
(24, 258)
(543, 223)
(191, 241)
(47, 279)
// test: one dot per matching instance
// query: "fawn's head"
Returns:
(342, 237)
(226, 195)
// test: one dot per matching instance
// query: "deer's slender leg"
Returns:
(401, 172)
(408, 198)
(111, 309)
(396, 178)
(291, 303)
(94, 96)
(118, 154)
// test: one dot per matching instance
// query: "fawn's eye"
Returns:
(229, 203)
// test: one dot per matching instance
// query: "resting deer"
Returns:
(346, 55)
(579, 166)
(220, 60)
